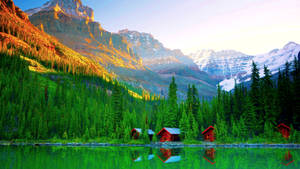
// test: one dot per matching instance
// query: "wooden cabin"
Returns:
(136, 132)
(169, 155)
(169, 134)
(208, 134)
(284, 130)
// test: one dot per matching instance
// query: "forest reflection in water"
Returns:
(145, 157)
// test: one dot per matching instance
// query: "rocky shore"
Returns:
(156, 145)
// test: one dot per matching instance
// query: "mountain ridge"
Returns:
(241, 63)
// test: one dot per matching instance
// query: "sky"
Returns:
(249, 26)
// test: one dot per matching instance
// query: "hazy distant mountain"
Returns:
(153, 52)
(231, 65)
(168, 62)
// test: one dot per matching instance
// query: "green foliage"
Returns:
(85, 108)
(171, 120)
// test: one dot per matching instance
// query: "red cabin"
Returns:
(135, 133)
(169, 134)
(208, 134)
(284, 130)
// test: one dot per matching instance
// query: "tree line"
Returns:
(37, 106)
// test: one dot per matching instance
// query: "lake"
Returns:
(46, 157)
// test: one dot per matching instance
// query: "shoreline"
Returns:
(156, 145)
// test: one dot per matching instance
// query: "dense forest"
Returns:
(67, 106)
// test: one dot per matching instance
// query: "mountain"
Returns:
(72, 24)
(168, 63)
(44, 52)
(153, 53)
(233, 66)
(221, 64)
(72, 8)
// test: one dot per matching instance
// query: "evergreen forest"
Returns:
(81, 107)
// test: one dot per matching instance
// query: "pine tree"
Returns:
(296, 87)
(117, 105)
(255, 95)
(183, 125)
(171, 118)
(249, 116)
(268, 97)
(196, 103)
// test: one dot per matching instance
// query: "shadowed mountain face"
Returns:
(18, 35)
(116, 52)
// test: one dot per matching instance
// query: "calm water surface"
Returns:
(28, 157)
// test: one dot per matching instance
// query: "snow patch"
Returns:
(228, 84)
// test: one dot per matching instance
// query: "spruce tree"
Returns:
(255, 95)
(268, 97)
(183, 124)
(171, 118)
(249, 116)
(296, 77)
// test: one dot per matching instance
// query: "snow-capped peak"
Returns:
(274, 60)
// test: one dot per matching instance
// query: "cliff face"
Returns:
(72, 24)
(72, 8)
(9, 7)
(18, 35)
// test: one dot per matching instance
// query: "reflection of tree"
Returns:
(288, 159)
(135, 155)
(209, 155)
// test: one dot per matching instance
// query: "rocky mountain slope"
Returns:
(18, 35)
(233, 66)
(73, 24)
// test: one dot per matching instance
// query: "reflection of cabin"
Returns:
(208, 134)
(209, 155)
(288, 159)
(169, 155)
(284, 130)
(135, 133)
(169, 134)
(139, 158)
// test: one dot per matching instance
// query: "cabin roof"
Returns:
(150, 132)
(170, 130)
(209, 128)
(283, 125)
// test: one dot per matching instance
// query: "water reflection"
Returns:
(169, 155)
(287, 159)
(209, 155)
(146, 158)
(138, 156)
